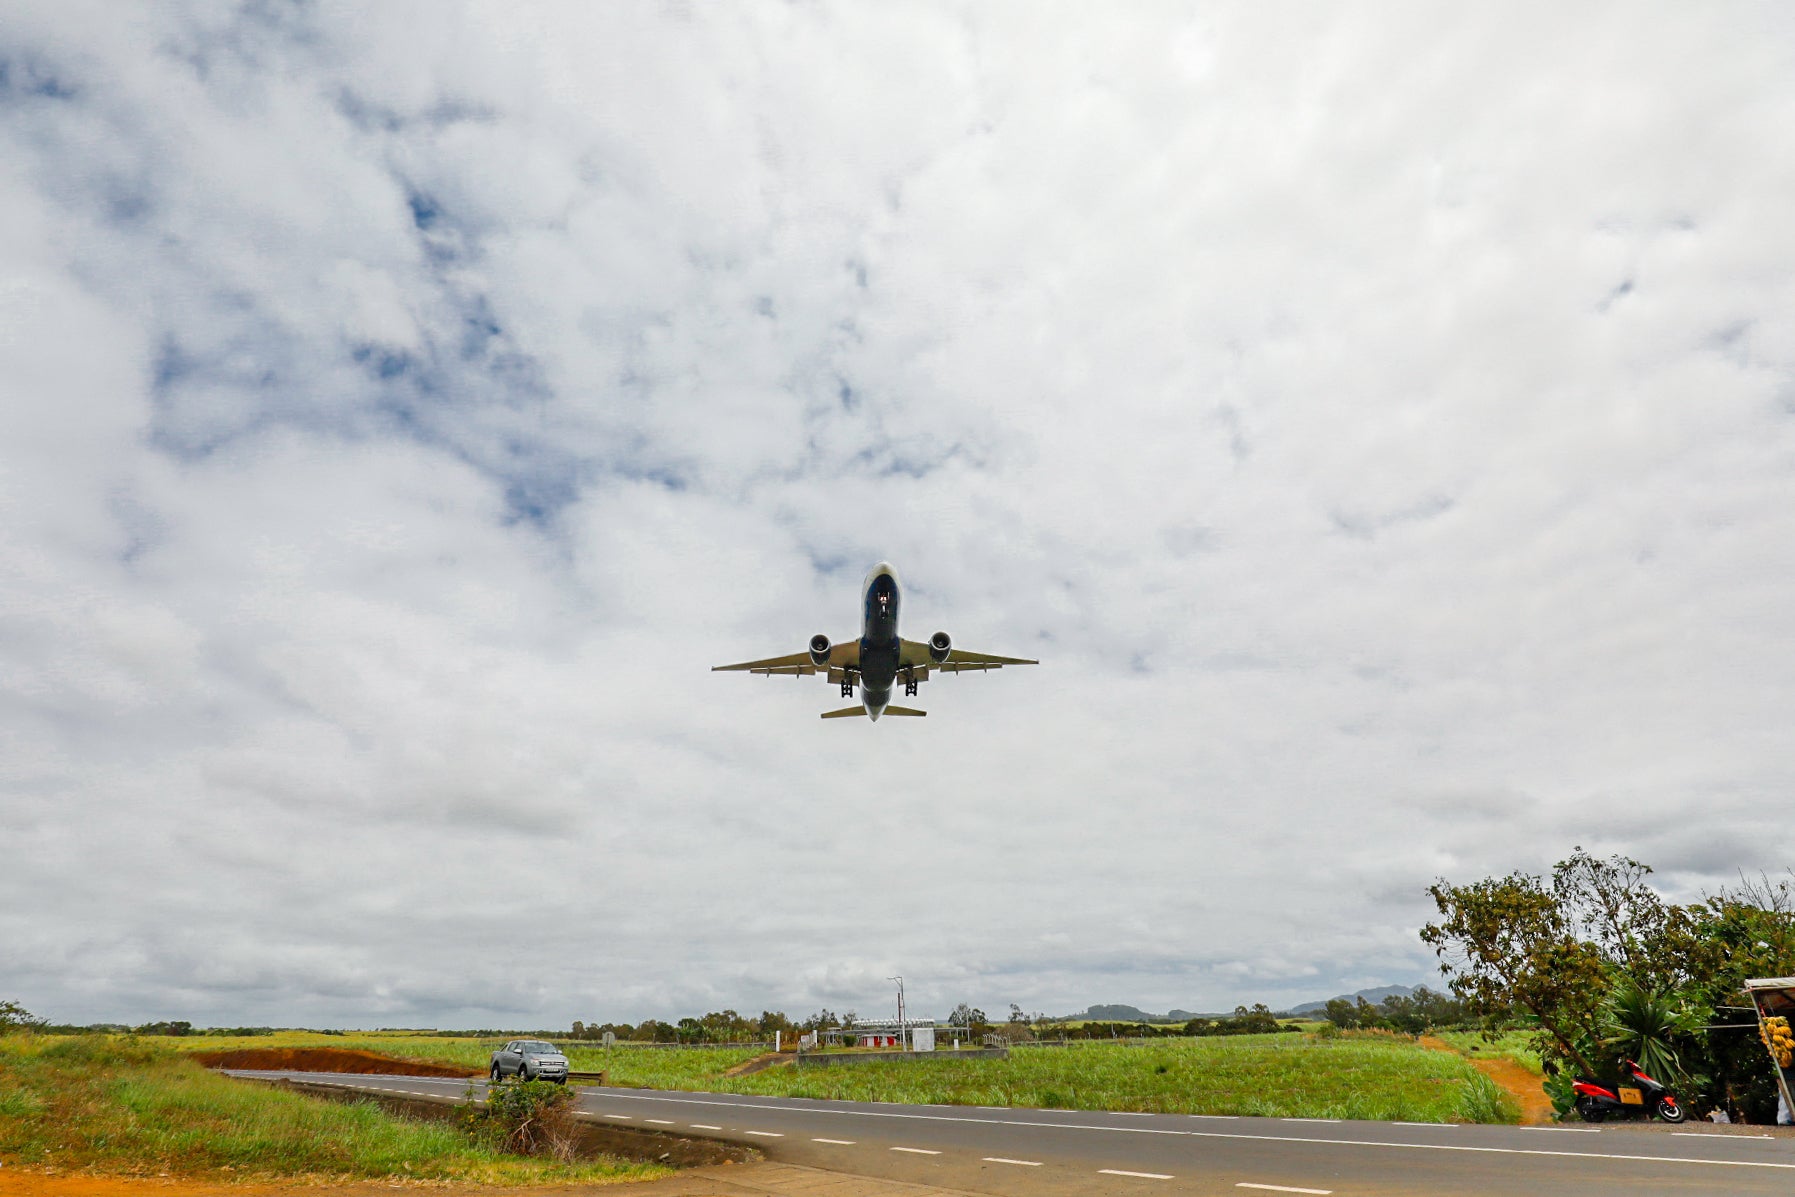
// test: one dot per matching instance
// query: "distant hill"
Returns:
(1118, 1012)
(1374, 996)
(1121, 1013)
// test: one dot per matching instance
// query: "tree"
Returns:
(967, 1018)
(13, 1015)
(1508, 943)
(1608, 904)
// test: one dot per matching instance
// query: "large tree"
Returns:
(1507, 944)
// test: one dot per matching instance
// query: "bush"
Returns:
(526, 1118)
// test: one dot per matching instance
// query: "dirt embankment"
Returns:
(328, 1059)
(1516, 1081)
(770, 1060)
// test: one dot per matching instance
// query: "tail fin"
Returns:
(850, 712)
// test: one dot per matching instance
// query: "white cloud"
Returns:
(1381, 428)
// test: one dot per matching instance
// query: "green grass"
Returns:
(1510, 1045)
(1286, 1076)
(1356, 1075)
(126, 1106)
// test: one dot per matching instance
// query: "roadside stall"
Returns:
(1774, 998)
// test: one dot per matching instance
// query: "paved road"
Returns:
(1044, 1153)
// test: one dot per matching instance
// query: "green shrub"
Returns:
(525, 1118)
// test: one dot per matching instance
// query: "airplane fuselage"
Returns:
(879, 644)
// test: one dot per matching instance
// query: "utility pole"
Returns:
(903, 1029)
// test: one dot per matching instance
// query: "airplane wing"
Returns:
(916, 653)
(841, 656)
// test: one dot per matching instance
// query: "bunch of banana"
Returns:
(1777, 1037)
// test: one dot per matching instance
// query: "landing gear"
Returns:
(909, 683)
(847, 689)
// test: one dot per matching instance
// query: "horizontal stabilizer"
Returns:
(844, 713)
(903, 711)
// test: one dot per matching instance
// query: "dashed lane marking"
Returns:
(998, 1159)
(1308, 1120)
(1440, 1125)
(917, 1150)
(1246, 1184)
(767, 1134)
(704, 1126)
(661, 1121)
(618, 1115)
(1132, 1113)
(1719, 1135)
(1566, 1130)
(1217, 1117)
(837, 1142)
(1142, 1175)
(718, 1100)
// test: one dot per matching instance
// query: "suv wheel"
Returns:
(497, 1075)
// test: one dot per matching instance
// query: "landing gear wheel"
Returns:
(1670, 1111)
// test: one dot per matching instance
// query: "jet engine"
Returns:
(819, 650)
(940, 645)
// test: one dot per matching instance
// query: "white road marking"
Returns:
(1218, 1117)
(1199, 1134)
(998, 1159)
(1228, 1135)
(1142, 1175)
(704, 1126)
(1567, 1130)
(1282, 1188)
(619, 1115)
(662, 1121)
(1132, 1113)
(917, 1150)
(1719, 1135)
(767, 1134)
(1442, 1125)
(837, 1142)
(1308, 1120)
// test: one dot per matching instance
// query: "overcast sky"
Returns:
(1380, 424)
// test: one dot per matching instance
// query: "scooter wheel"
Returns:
(1670, 1111)
(1592, 1115)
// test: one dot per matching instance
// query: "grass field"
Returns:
(1511, 1045)
(1357, 1075)
(1276, 1075)
(652, 1067)
(128, 1106)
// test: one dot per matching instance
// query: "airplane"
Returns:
(879, 659)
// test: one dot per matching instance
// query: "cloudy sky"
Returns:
(1380, 424)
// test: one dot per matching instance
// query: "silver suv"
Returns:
(529, 1060)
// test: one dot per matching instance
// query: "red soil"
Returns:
(1512, 1078)
(326, 1059)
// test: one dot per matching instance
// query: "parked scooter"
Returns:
(1635, 1096)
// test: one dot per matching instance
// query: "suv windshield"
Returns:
(536, 1047)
